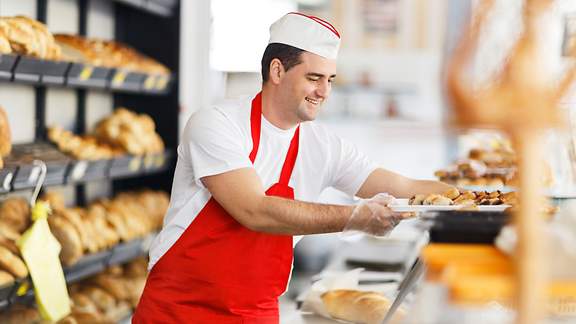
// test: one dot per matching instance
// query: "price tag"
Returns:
(79, 170)
(160, 160)
(119, 78)
(135, 164)
(148, 161)
(161, 82)
(86, 73)
(150, 82)
(40, 251)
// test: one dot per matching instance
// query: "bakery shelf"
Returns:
(19, 172)
(30, 70)
(27, 174)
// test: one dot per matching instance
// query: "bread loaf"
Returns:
(68, 237)
(358, 306)
(5, 134)
(5, 278)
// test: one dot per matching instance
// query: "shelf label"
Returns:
(22, 289)
(148, 161)
(160, 160)
(119, 78)
(149, 82)
(86, 73)
(79, 170)
(161, 82)
(135, 164)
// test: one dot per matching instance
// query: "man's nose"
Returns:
(323, 89)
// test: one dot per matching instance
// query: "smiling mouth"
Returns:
(312, 101)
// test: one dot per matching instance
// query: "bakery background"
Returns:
(387, 100)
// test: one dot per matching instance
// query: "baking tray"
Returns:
(82, 170)
(126, 165)
(82, 75)
(467, 227)
(33, 70)
(127, 81)
(7, 63)
(27, 174)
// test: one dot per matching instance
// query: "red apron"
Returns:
(219, 271)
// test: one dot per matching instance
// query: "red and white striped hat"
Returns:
(308, 33)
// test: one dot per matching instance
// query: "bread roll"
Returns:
(15, 212)
(68, 237)
(5, 278)
(12, 263)
(452, 193)
(5, 134)
(358, 306)
(417, 200)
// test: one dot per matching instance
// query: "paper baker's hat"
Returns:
(308, 33)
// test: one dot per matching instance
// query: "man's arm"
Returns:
(381, 180)
(241, 194)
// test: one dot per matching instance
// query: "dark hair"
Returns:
(288, 55)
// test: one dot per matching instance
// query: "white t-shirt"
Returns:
(218, 140)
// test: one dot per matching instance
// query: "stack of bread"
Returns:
(108, 297)
(120, 133)
(104, 223)
(14, 219)
(109, 54)
(5, 136)
(81, 147)
(26, 36)
(134, 133)
(495, 167)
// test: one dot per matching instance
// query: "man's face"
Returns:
(308, 85)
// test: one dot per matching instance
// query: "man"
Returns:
(247, 172)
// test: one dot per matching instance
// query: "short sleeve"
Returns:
(350, 167)
(213, 144)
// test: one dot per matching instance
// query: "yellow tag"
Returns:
(119, 78)
(86, 73)
(135, 164)
(23, 289)
(40, 250)
(161, 83)
(149, 82)
(148, 160)
(160, 160)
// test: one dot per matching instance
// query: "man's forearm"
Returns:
(293, 217)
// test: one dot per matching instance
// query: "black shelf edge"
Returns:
(33, 71)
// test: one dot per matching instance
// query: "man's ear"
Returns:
(276, 71)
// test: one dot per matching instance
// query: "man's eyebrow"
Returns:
(320, 75)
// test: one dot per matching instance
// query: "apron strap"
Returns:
(290, 158)
(255, 127)
(255, 124)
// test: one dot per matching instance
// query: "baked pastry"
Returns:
(66, 234)
(5, 134)
(12, 263)
(5, 278)
(15, 212)
(451, 193)
(417, 199)
(358, 306)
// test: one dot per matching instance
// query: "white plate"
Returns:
(401, 206)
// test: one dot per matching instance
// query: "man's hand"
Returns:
(373, 216)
